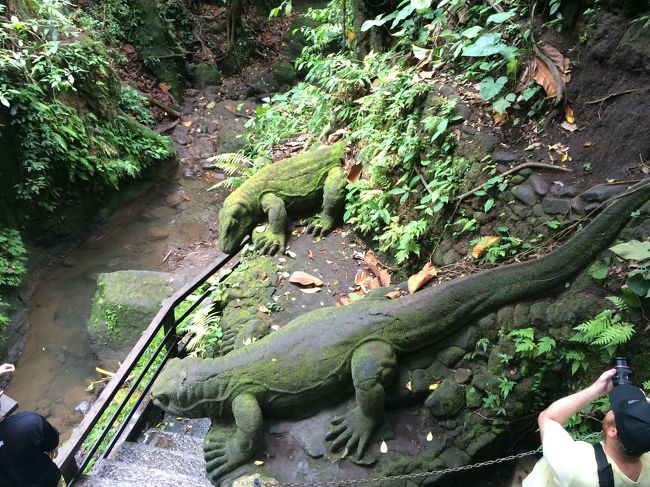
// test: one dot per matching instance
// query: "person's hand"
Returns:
(7, 369)
(604, 383)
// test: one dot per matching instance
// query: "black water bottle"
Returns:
(623, 371)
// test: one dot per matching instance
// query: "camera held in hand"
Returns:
(623, 372)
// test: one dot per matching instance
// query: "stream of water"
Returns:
(57, 363)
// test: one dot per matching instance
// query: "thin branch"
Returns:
(538, 165)
(168, 110)
(612, 95)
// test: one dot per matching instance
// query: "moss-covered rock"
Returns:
(123, 306)
(446, 400)
(283, 72)
(204, 75)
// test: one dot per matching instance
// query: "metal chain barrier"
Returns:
(258, 482)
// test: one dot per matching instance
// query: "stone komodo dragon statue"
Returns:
(299, 182)
(323, 356)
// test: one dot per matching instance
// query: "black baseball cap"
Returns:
(632, 416)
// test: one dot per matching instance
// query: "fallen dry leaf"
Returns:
(164, 87)
(187, 123)
(371, 259)
(568, 113)
(416, 281)
(483, 244)
(589, 143)
(354, 173)
(304, 279)
(433, 387)
(230, 108)
(310, 254)
(258, 463)
(360, 278)
(128, 49)
(344, 301)
(544, 78)
(409, 386)
(571, 127)
(375, 283)
(393, 294)
(310, 290)
(264, 309)
(383, 447)
(562, 63)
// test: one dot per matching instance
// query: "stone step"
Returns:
(192, 427)
(139, 454)
(127, 474)
(185, 444)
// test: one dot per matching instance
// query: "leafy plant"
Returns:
(606, 330)
(13, 256)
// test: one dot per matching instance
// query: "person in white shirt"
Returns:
(626, 428)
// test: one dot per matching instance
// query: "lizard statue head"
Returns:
(191, 388)
(235, 222)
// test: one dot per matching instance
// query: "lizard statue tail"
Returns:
(463, 300)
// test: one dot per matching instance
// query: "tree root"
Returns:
(538, 165)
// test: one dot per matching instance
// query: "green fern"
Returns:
(231, 162)
(607, 329)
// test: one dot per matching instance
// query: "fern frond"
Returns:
(615, 335)
(619, 302)
(230, 160)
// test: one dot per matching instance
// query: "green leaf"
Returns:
(632, 250)
(420, 52)
(490, 88)
(488, 205)
(638, 284)
(500, 17)
(472, 32)
(599, 269)
(420, 4)
(486, 45)
(501, 105)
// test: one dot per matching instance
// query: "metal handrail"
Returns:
(65, 459)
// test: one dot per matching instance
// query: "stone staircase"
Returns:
(169, 455)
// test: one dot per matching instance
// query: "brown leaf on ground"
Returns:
(542, 74)
(483, 244)
(128, 49)
(416, 281)
(353, 173)
(263, 309)
(344, 301)
(568, 113)
(310, 254)
(304, 279)
(393, 294)
(164, 87)
(230, 108)
(371, 259)
(558, 59)
(361, 278)
(375, 282)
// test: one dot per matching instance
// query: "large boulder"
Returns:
(123, 306)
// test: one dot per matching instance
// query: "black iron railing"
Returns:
(70, 459)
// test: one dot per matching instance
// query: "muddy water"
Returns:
(57, 363)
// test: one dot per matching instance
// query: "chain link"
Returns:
(258, 482)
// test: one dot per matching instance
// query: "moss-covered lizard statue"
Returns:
(299, 182)
(324, 356)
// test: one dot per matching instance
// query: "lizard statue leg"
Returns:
(333, 201)
(273, 239)
(223, 455)
(252, 330)
(373, 367)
